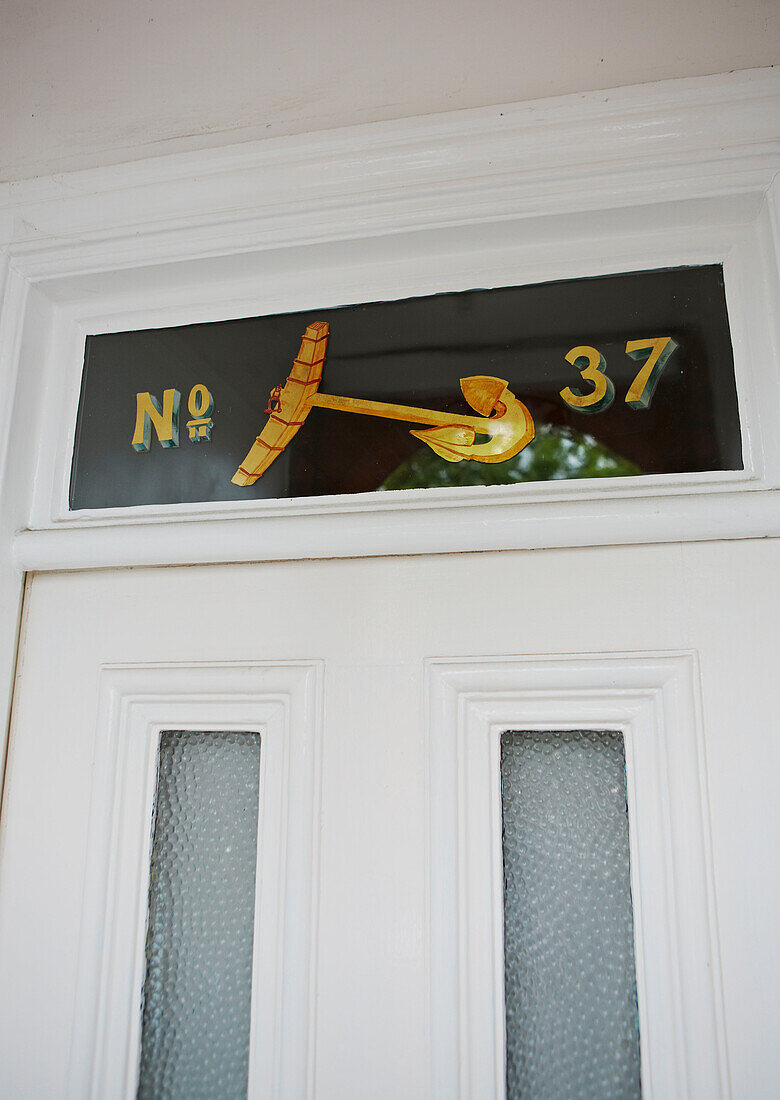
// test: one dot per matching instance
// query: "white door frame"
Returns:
(283, 703)
(652, 700)
(673, 173)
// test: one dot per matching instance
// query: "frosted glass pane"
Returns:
(197, 992)
(570, 984)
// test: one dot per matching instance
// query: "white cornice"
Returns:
(698, 137)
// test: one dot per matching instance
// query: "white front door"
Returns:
(378, 953)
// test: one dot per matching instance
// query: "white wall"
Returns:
(84, 82)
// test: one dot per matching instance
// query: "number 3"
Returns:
(603, 392)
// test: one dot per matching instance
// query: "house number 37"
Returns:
(653, 354)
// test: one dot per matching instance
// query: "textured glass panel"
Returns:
(571, 1014)
(197, 993)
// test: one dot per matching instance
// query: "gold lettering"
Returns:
(201, 406)
(165, 420)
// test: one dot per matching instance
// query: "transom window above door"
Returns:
(485, 332)
(626, 375)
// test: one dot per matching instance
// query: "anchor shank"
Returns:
(408, 413)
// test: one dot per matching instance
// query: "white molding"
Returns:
(622, 147)
(595, 512)
(653, 699)
(443, 530)
(283, 703)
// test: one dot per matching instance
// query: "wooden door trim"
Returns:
(283, 702)
(654, 701)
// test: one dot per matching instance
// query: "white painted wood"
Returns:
(603, 522)
(24, 329)
(652, 699)
(378, 627)
(605, 149)
(283, 704)
(500, 521)
(488, 517)
(649, 177)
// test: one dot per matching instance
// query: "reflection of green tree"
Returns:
(554, 454)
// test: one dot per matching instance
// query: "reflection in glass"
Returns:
(552, 455)
(570, 985)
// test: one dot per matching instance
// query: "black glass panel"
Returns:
(414, 352)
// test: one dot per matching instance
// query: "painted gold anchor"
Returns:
(505, 421)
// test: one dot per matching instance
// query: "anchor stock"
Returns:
(504, 421)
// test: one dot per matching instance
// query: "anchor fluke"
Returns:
(483, 392)
(507, 424)
(448, 443)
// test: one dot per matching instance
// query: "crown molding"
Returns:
(698, 137)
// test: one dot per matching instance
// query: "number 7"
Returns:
(642, 388)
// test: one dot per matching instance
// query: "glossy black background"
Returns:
(412, 351)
